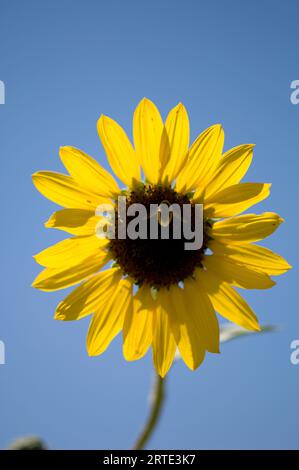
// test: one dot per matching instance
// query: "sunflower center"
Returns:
(158, 262)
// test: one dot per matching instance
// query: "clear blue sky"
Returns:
(66, 62)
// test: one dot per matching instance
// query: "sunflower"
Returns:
(154, 291)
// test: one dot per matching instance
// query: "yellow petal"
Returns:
(93, 294)
(190, 342)
(137, 331)
(199, 195)
(65, 191)
(71, 251)
(74, 221)
(204, 156)
(257, 257)
(201, 313)
(109, 320)
(59, 278)
(237, 274)
(88, 172)
(231, 168)
(178, 131)
(164, 343)
(119, 150)
(227, 301)
(148, 129)
(235, 199)
(246, 228)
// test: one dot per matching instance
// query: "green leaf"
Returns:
(228, 331)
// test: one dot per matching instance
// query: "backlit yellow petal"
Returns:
(164, 343)
(190, 344)
(137, 331)
(92, 295)
(119, 150)
(199, 195)
(59, 278)
(231, 168)
(148, 129)
(88, 172)
(74, 221)
(178, 131)
(204, 156)
(246, 228)
(71, 251)
(200, 310)
(237, 274)
(109, 320)
(65, 191)
(235, 199)
(257, 257)
(227, 301)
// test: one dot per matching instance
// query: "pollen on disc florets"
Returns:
(157, 262)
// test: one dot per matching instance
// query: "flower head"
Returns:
(156, 291)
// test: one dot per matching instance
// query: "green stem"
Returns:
(157, 400)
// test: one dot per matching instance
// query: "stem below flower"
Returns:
(157, 400)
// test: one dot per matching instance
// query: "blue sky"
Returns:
(64, 63)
